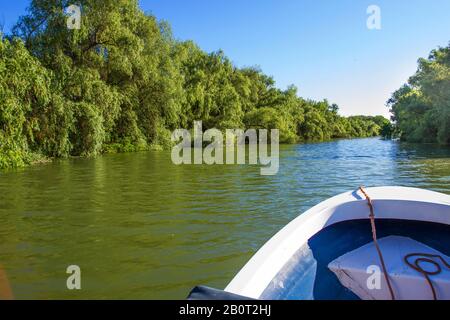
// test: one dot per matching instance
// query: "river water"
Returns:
(140, 227)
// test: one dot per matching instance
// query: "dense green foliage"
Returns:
(421, 108)
(122, 83)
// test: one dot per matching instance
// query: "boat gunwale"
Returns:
(389, 203)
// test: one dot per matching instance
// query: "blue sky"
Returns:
(321, 46)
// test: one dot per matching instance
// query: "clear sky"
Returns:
(322, 46)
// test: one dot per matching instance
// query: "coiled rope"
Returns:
(426, 257)
(421, 257)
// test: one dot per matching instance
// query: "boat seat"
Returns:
(355, 270)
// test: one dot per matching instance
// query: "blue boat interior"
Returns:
(306, 276)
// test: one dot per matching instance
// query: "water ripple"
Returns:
(141, 227)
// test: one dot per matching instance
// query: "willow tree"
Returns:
(211, 92)
(26, 100)
(120, 82)
(115, 71)
(421, 108)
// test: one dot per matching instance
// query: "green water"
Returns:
(140, 227)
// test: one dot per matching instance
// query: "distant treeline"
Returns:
(421, 108)
(123, 83)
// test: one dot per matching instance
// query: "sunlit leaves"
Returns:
(122, 83)
(421, 108)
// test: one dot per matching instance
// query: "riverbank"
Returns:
(89, 98)
(33, 159)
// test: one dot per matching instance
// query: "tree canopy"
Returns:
(123, 83)
(421, 108)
